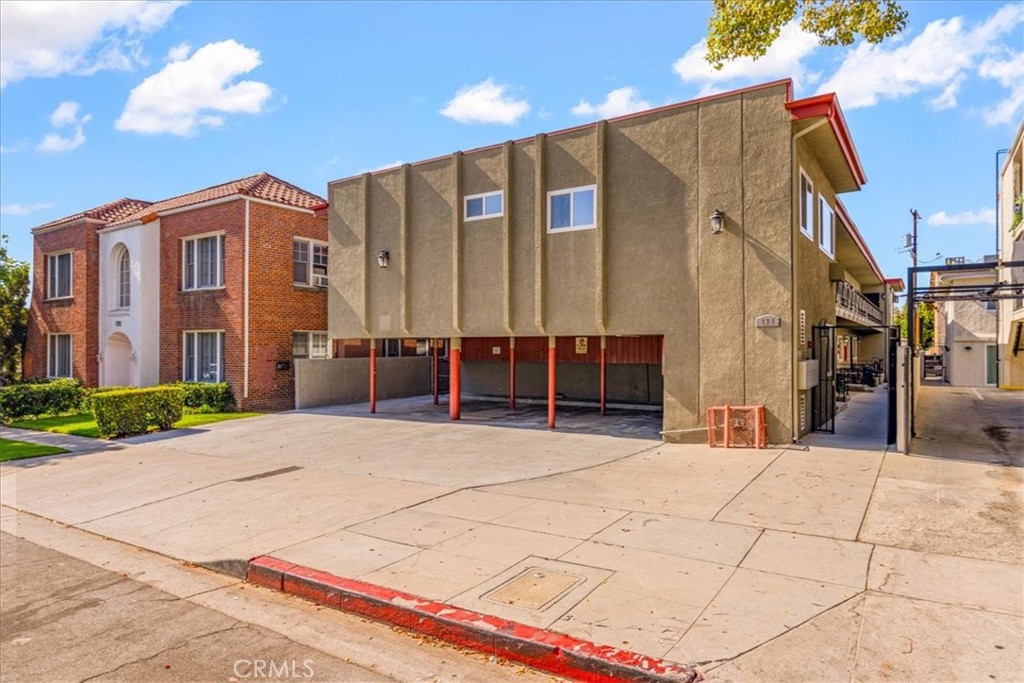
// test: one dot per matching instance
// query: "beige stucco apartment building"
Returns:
(1010, 347)
(679, 256)
(965, 332)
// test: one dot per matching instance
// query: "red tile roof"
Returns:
(108, 213)
(260, 186)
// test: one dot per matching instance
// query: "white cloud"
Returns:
(179, 52)
(486, 102)
(620, 101)
(941, 56)
(66, 114)
(16, 147)
(189, 94)
(783, 59)
(1009, 73)
(983, 216)
(45, 39)
(24, 209)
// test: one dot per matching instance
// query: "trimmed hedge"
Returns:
(207, 397)
(133, 411)
(53, 397)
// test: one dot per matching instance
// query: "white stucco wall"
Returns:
(969, 327)
(140, 322)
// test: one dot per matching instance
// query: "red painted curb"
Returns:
(545, 650)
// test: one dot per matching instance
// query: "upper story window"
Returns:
(310, 345)
(827, 234)
(58, 275)
(124, 280)
(309, 263)
(58, 355)
(572, 209)
(203, 262)
(806, 206)
(487, 205)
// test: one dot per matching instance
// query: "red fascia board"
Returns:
(895, 283)
(788, 82)
(851, 227)
(828, 106)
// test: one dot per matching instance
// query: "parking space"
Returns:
(976, 424)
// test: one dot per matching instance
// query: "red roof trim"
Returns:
(788, 82)
(896, 283)
(858, 239)
(828, 106)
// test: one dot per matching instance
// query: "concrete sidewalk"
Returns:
(837, 561)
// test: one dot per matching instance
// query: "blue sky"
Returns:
(150, 100)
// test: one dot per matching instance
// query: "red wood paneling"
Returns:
(621, 350)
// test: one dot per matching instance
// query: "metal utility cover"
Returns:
(534, 588)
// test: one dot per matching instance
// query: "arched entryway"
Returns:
(117, 361)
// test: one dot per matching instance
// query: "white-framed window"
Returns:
(806, 206)
(203, 356)
(572, 209)
(202, 262)
(58, 355)
(58, 275)
(309, 262)
(124, 279)
(827, 233)
(310, 345)
(486, 205)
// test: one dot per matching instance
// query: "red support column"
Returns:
(373, 376)
(512, 373)
(455, 380)
(552, 362)
(604, 374)
(437, 375)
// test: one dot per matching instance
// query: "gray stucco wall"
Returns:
(650, 266)
(333, 381)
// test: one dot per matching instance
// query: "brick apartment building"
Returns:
(227, 283)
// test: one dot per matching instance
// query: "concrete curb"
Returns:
(545, 650)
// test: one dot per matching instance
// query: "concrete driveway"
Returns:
(835, 561)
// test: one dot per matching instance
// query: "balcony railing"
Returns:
(853, 305)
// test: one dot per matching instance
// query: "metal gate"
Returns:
(823, 396)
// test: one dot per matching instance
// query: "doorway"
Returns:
(117, 361)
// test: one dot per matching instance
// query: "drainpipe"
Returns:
(795, 309)
(245, 312)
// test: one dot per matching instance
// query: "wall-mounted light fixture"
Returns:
(383, 257)
(133, 358)
(968, 348)
(717, 222)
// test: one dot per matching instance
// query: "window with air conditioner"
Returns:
(310, 345)
(309, 263)
(203, 357)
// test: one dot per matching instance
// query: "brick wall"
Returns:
(276, 307)
(77, 315)
(214, 309)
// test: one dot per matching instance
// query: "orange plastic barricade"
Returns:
(737, 427)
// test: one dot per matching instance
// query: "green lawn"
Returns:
(83, 424)
(16, 450)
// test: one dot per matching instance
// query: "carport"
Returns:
(582, 373)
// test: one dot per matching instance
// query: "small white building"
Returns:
(968, 333)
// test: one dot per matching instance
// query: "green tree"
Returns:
(926, 312)
(747, 28)
(14, 283)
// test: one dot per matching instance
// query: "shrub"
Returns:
(133, 411)
(89, 393)
(52, 397)
(204, 397)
